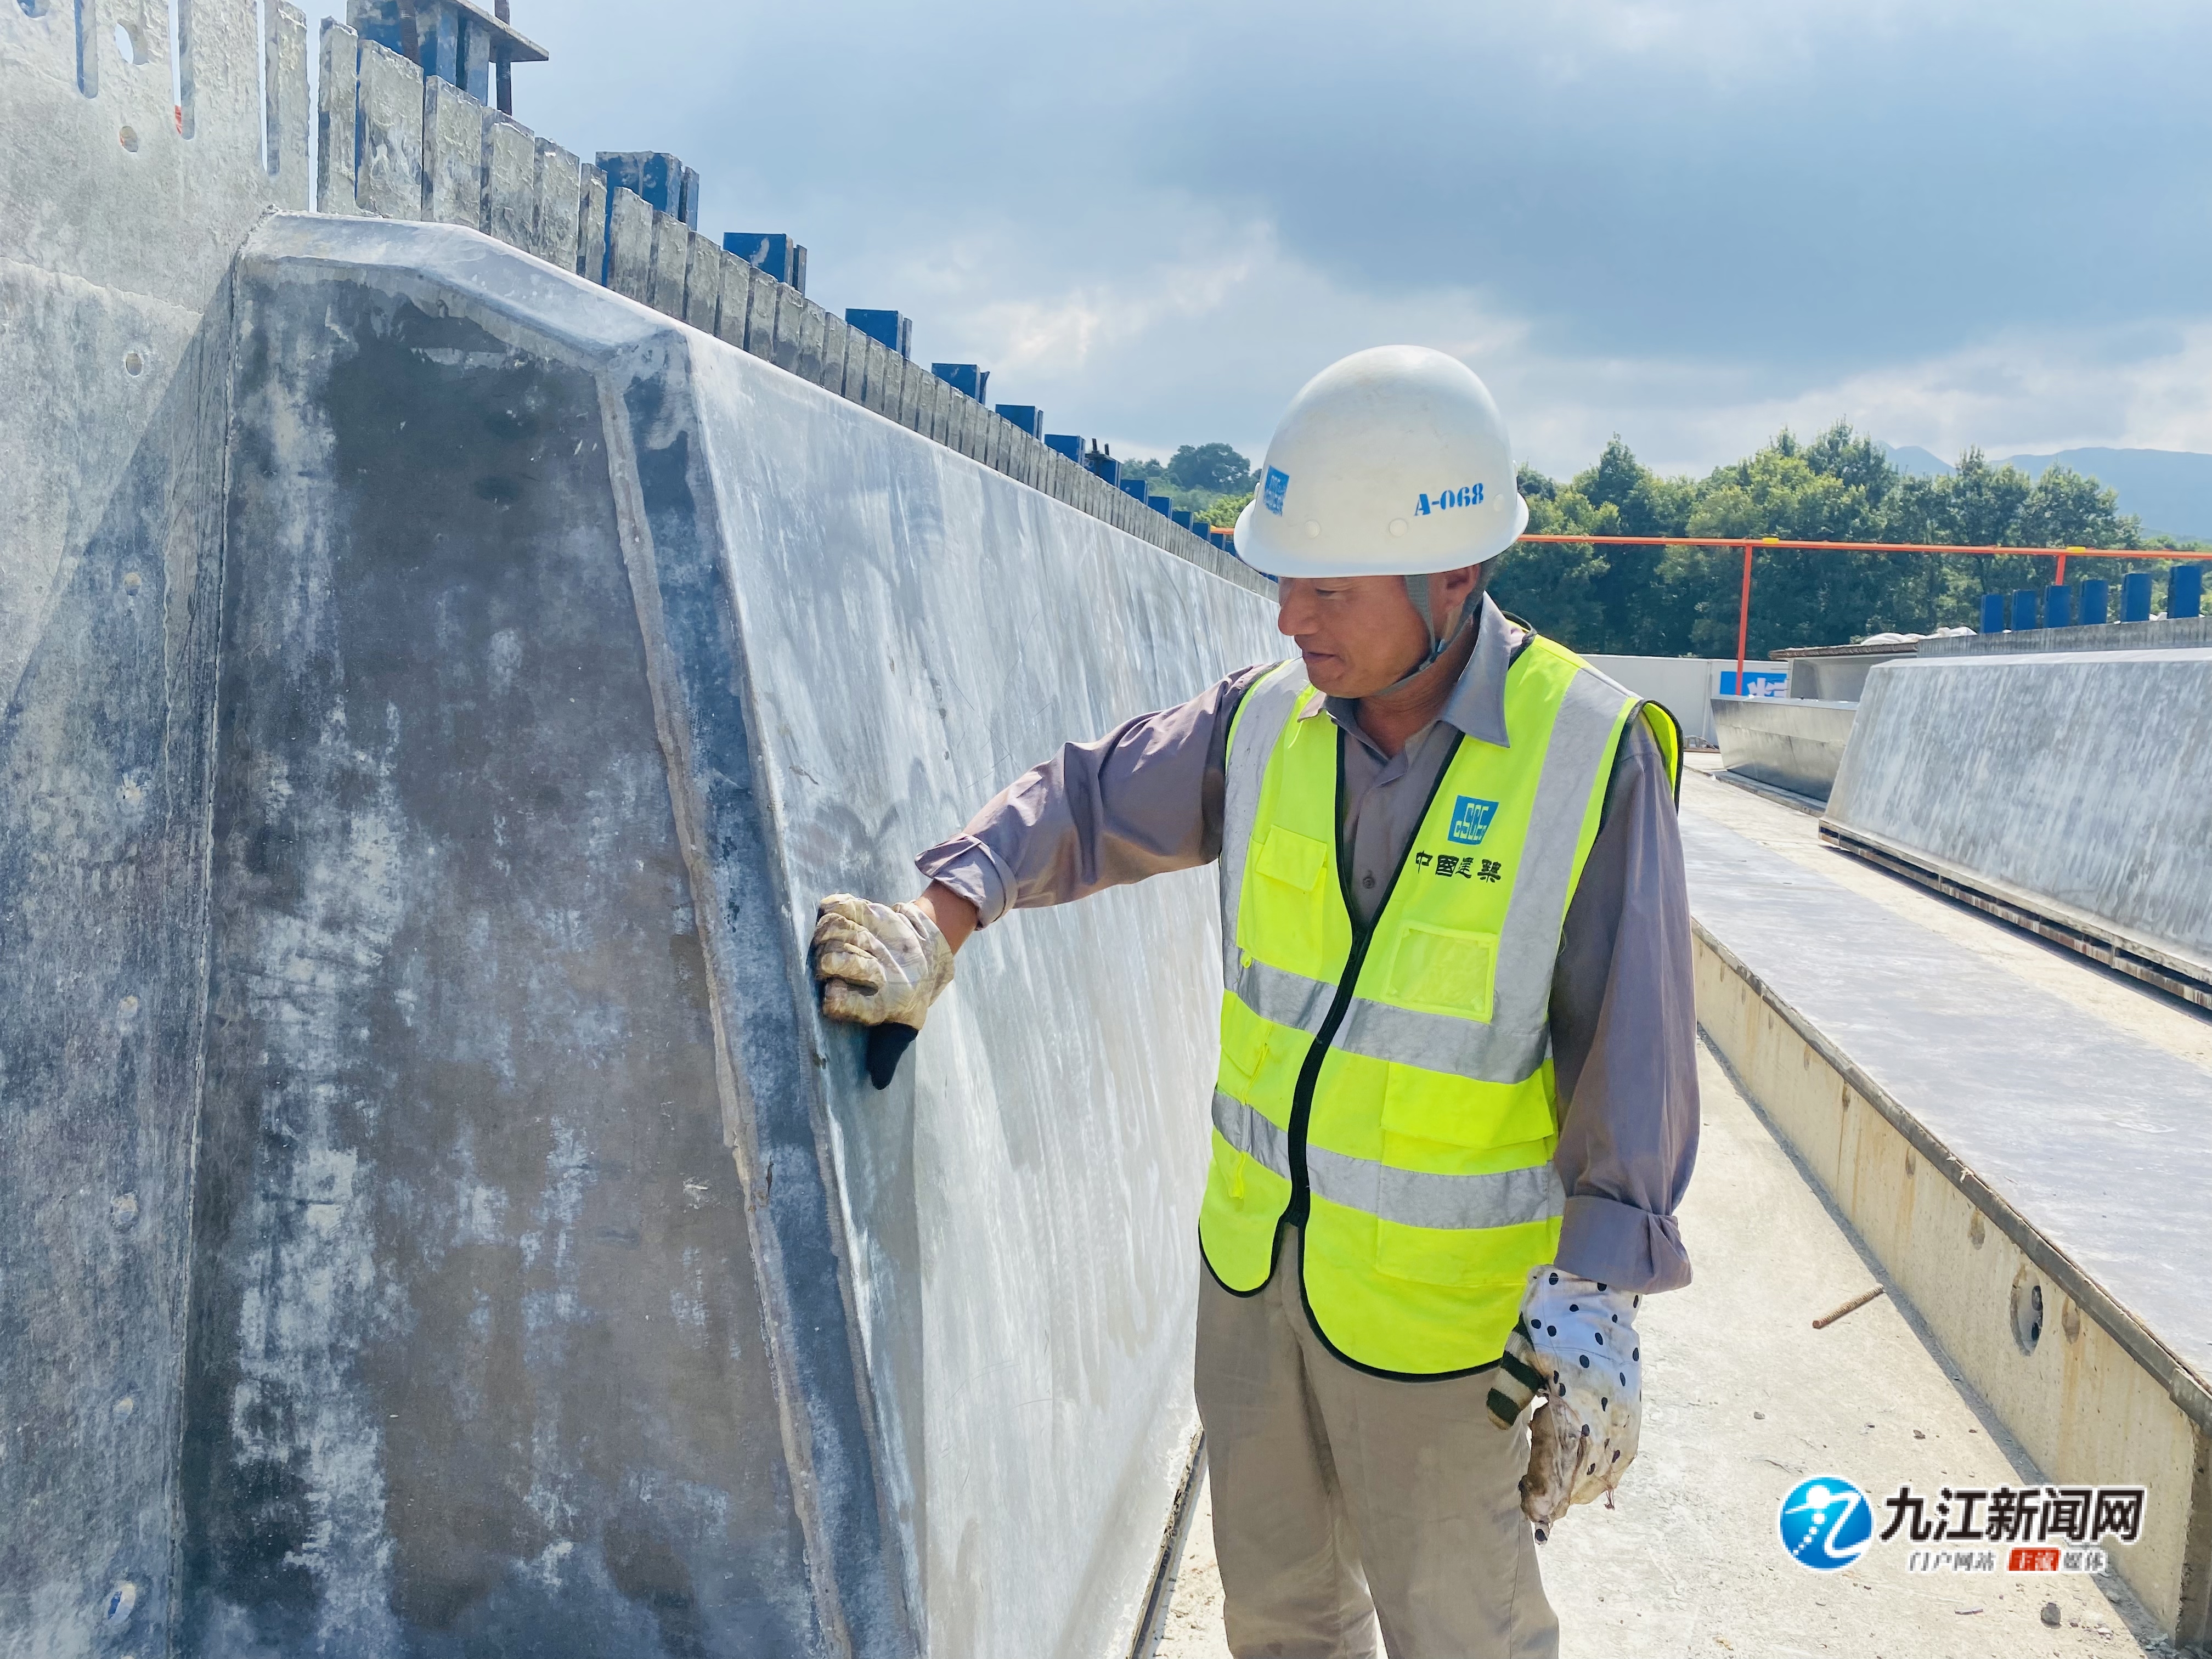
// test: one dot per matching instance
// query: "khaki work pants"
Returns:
(1341, 1499)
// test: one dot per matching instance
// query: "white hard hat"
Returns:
(1389, 462)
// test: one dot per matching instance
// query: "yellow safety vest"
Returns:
(1392, 1089)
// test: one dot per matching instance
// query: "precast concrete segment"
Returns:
(2093, 1137)
(390, 97)
(554, 227)
(922, 1387)
(1017, 1249)
(510, 184)
(2166, 634)
(1989, 1141)
(114, 331)
(452, 155)
(477, 1357)
(2082, 778)
(1786, 742)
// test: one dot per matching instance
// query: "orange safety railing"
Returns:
(1774, 543)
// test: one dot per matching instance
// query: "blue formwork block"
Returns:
(889, 329)
(653, 173)
(1159, 504)
(1065, 443)
(1105, 466)
(2096, 601)
(2134, 596)
(772, 250)
(2058, 607)
(2023, 609)
(1132, 487)
(2184, 591)
(1182, 516)
(964, 377)
(1028, 417)
(1993, 613)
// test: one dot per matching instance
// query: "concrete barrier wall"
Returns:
(2166, 634)
(558, 1280)
(123, 209)
(428, 151)
(2078, 782)
(1684, 686)
(1786, 742)
(123, 194)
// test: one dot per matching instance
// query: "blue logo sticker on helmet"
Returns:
(1465, 495)
(1271, 497)
(1471, 820)
(1826, 1523)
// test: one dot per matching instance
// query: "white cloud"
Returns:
(1689, 221)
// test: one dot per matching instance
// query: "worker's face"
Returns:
(1361, 634)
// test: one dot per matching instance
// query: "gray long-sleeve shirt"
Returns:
(1147, 798)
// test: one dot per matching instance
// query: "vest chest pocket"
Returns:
(1284, 918)
(1435, 969)
(1294, 860)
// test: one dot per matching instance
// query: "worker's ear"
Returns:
(1451, 589)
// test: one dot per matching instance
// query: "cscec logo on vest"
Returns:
(1826, 1523)
(1465, 495)
(1471, 820)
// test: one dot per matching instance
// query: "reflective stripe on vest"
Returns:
(1424, 1129)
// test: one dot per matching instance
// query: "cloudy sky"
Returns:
(1950, 221)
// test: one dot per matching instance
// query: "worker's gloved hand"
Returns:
(1575, 1349)
(880, 964)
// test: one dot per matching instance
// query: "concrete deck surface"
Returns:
(1743, 1400)
(2095, 1136)
(2130, 1007)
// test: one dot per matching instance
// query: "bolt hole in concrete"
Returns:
(126, 44)
(132, 362)
(121, 1600)
(129, 139)
(2027, 1312)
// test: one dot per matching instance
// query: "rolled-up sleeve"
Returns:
(1624, 1037)
(1144, 800)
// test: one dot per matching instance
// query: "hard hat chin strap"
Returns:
(1440, 637)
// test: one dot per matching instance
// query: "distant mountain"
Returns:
(2169, 490)
(1912, 457)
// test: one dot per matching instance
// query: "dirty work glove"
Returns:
(879, 965)
(1575, 1349)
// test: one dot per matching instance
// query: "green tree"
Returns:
(1210, 467)
(1838, 486)
(1553, 583)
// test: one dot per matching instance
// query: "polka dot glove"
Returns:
(1575, 1348)
(879, 963)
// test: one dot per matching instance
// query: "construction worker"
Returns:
(1457, 1098)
